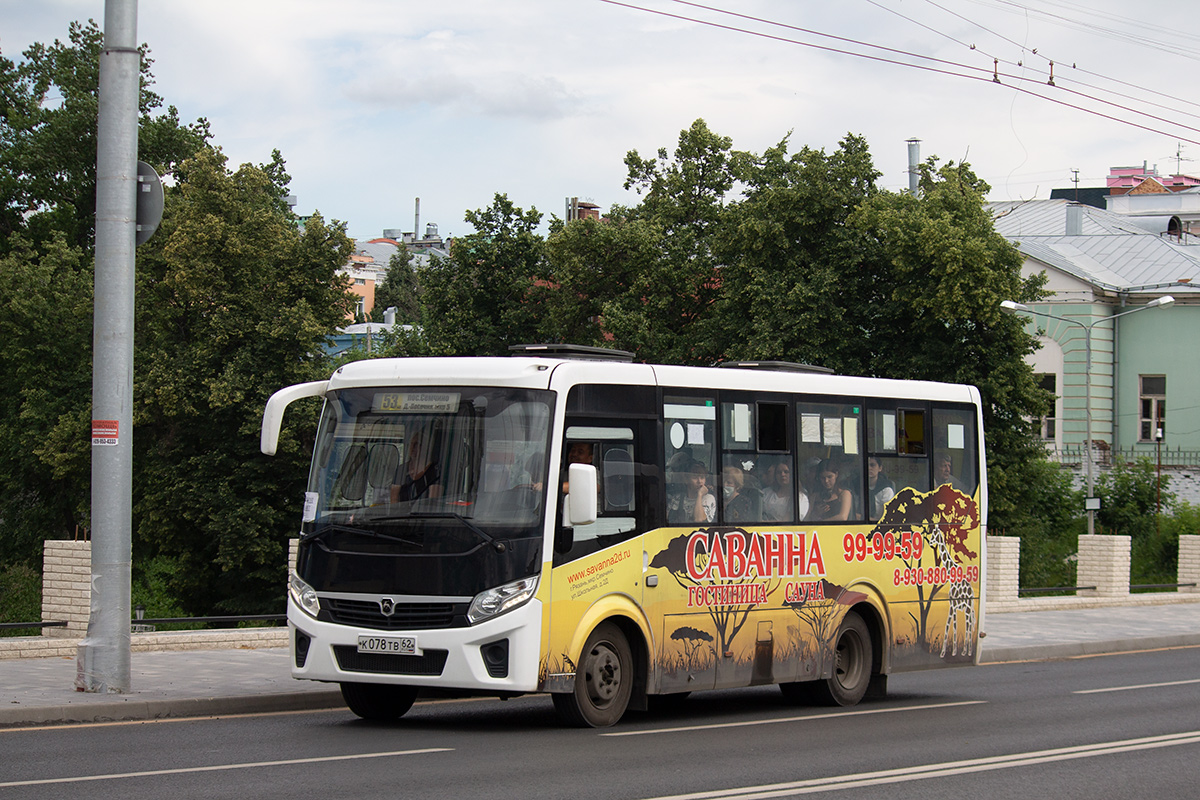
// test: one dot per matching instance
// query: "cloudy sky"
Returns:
(374, 103)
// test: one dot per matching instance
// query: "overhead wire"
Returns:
(1124, 32)
(1010, 6)
(992, 75)
(1034, 51)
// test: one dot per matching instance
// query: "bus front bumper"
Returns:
(497, 655)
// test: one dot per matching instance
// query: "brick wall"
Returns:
(1189, 563)
(1003, 569)
(66, 587)
(1103, 563)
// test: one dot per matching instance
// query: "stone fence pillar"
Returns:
(293, 549)
(1003, 569)
(66, 587)
(1189, 562)
(1103, 563)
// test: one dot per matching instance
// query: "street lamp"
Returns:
(1091, 502)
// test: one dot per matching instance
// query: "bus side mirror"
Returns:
(273, 413)
(582, 500)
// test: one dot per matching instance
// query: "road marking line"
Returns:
(222, 767)
(946, 769)
(804, 718)
(1139, 686)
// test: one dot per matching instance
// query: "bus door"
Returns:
(690, 645)
(597, 568)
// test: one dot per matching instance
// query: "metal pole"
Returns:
(104, 661)
(1087, 383)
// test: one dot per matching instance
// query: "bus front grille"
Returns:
(431, 662)
(405, 616)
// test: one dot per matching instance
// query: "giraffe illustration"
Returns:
(960, 596)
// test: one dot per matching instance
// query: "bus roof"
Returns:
(545, 372)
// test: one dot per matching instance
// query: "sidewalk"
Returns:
(184, 683)
(191, 683)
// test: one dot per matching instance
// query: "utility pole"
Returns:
(104, 654)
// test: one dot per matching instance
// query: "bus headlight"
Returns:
(503, 598)
(303, 595)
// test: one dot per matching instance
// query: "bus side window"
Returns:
(611, 449)
(830, 454)
(955, 454)
(690, 425)
(617, 476)
(897, 455)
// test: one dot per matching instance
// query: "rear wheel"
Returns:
(851, 669)
(851, 665)
(377, 701)
(603, 681)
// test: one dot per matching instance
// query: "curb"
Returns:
(130, 709)
(1052, 652)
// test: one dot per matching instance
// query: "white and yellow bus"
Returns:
(567, 521)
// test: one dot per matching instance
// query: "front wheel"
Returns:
(378, 701)
(603, 681)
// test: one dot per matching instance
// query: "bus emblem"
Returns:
(388, 606)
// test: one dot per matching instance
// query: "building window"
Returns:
(1048, 424)
(1153, 407)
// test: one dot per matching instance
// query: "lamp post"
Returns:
(1091, 503)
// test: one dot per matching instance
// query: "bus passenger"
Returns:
(742, 503)
(777, 495)
(945, 473)
(880, 488)
(690, 500)
(830, 502)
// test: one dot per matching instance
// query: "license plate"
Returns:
(395, 645)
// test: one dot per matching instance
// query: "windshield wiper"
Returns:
(358, 531)
(471, 526)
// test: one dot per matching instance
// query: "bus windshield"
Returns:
(393, 464)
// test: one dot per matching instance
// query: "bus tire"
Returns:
(603, 681)
(851, 665)
(378, 701)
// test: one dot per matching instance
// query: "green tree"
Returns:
(800, 284)
(45, 395)
(944, 273)
(234, 303)
(399, 290)
(483, 297)
(48, 108)
(661, 315)
(602, 275)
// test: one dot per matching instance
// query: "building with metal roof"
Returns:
(1144, 375)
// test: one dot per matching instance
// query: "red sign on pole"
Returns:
(104, 432)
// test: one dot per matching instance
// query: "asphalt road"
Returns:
(1118, 726)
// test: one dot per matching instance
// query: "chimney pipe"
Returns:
(1074, 219)
(914, 161)
(417, 220)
